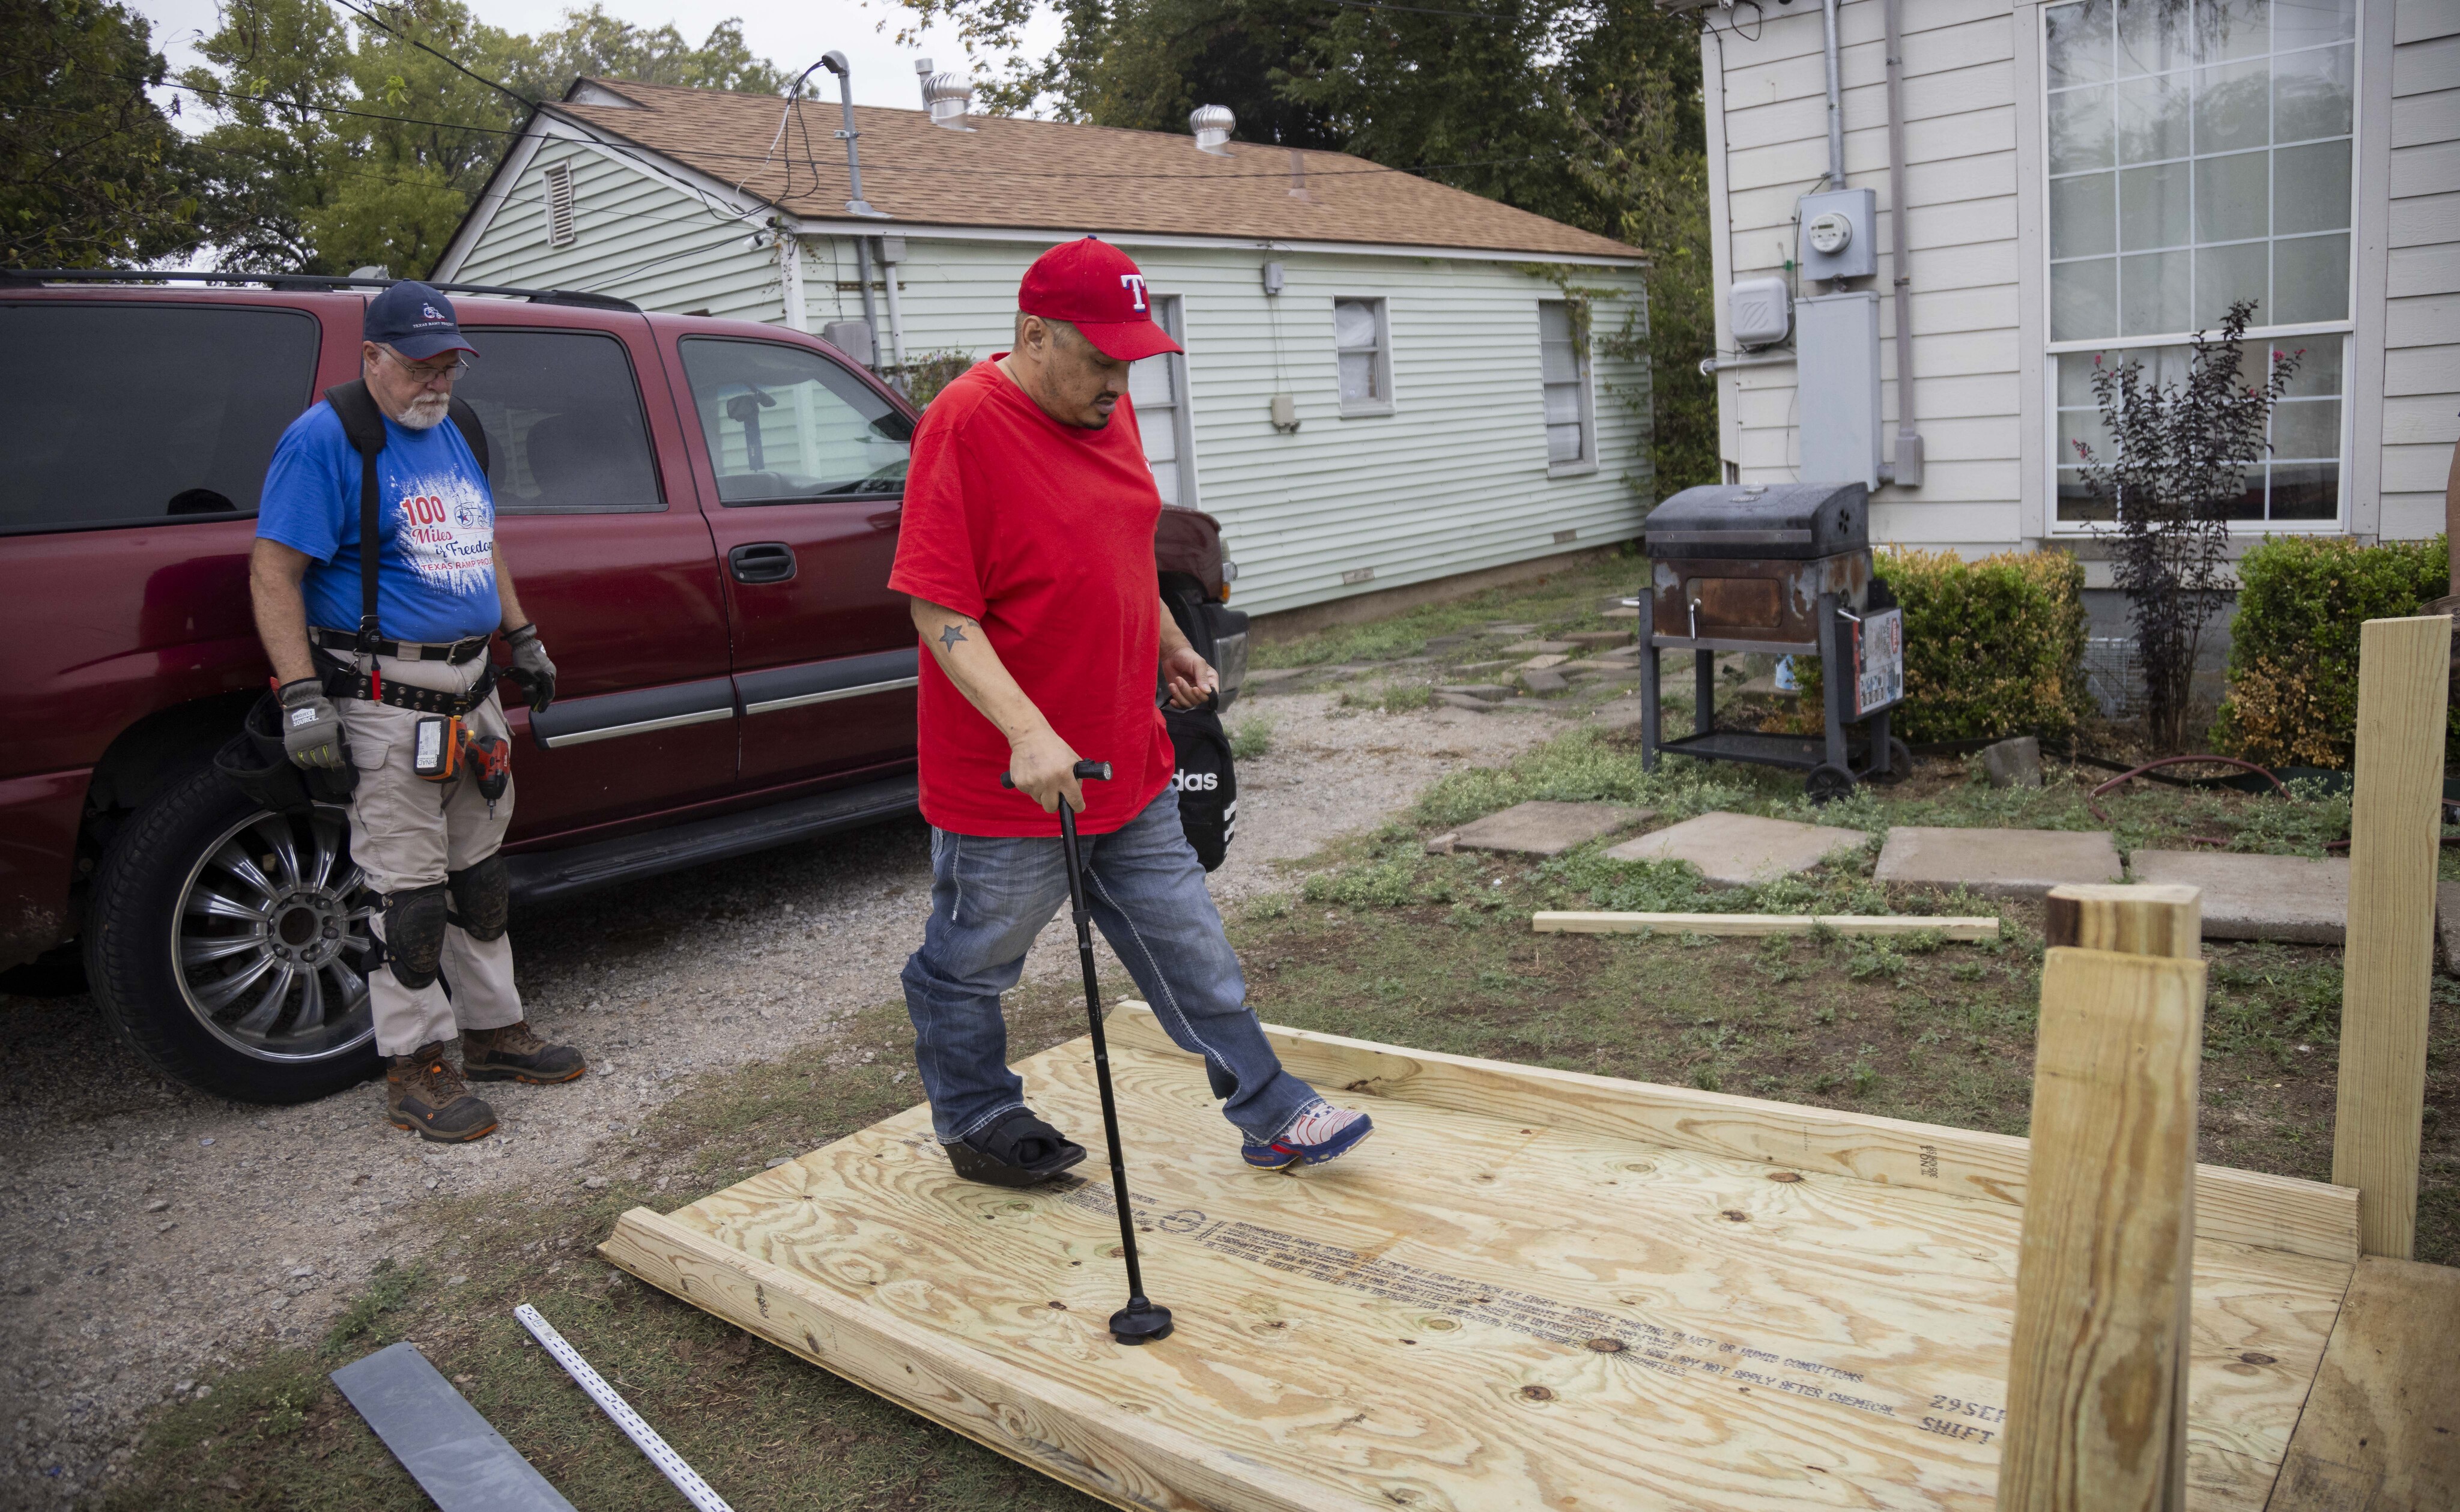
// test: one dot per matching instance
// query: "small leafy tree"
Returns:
(2180, 455)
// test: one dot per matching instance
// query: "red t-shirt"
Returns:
(1044, 533)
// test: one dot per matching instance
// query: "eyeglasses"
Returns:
(428, 372)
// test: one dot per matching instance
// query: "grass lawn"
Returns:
(1374, 939)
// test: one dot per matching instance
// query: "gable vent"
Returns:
(559, 204)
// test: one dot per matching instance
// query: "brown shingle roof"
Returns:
(1052, 175)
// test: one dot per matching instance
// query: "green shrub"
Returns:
(1992, 647)
(2293, 695)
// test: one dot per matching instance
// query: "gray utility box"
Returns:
(1837, 373)
(1839, 233)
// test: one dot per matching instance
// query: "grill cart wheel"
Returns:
(1900, 763)
(1827, 784)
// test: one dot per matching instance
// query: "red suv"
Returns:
(700, 513)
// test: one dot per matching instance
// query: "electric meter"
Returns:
(1830, 233)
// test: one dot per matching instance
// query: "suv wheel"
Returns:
(229, 945)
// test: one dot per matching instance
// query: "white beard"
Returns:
(427, 412)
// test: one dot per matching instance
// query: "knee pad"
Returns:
(482, 897)
(414, 933)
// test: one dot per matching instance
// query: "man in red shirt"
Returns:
(1027, 549)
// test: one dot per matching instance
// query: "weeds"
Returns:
(388, 1286)
(1251, 737)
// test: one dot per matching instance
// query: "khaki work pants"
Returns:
(408, 832)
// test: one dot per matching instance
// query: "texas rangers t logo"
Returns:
(1134, 284)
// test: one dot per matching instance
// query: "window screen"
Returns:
(1563, 370)
(1362, 349)
(137, 414)
(565, 430)
(2200, 153)
(784, 423)
(1158, 386)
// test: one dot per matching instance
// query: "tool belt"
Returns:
(469, 649)
(344, 682)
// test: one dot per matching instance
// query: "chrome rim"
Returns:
(270, 942)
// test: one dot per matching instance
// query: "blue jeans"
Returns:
(992, 895)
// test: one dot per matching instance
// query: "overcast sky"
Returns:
(792, 33)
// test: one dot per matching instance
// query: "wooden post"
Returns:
(2105, 1281)
(2403, 694)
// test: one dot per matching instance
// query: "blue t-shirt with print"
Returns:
(436, 575)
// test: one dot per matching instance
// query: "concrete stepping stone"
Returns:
(1542, 680)
(1539, 828)
(1488, 692)
(1998, 863)
(1539, 663)
(1257, 677)
(1462, 701)
(2259, 898)
(1537, 647)
(1734, 849)
(1620, 612)
(1602, 638)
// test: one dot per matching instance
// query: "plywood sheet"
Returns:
(2381, 1432)
(1469, 1312)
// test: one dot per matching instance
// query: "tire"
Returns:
(1827, 784)
(1900, 764)
(229, 945)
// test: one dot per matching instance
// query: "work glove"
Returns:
(531, 667)
(312, 728)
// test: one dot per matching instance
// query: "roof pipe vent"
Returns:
(948, 98)
(1212, 125)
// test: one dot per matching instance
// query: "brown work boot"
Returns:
(515, 1053)
(425, 1095)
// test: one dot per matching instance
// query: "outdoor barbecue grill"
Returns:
(1782, 569)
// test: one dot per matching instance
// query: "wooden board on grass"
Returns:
(1752, 925)
(1518, 1297)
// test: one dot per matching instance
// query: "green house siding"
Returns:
(1454, 479)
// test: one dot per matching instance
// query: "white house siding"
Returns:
(2421, 368)
(635, 236)
(1974, 174)
(1453, 480)
(1768, 145)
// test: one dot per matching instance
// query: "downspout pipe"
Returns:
(1907, 468)
(891, 254)
(1835, 95)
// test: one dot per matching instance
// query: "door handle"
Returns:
(762, 562)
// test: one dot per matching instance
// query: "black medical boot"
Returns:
(515, 1053)
(1015, 1149)
(425, 1095)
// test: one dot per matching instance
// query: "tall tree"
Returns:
(1585, 110)
(345, 144)
(92, 173)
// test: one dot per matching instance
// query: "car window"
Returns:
(145, 414)
(566, 433)
(785, 424)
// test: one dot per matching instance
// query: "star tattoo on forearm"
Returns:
(950, 636)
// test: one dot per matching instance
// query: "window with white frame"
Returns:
(1563, 370)
(1361, 343)
(2200, 153)
(560, 229)
(1157, 388)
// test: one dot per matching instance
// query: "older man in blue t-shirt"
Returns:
(408, 701)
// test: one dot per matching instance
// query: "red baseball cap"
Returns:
(1093, 286)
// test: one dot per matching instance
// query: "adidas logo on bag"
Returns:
(1194, 782)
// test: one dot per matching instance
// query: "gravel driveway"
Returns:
(150, 1234)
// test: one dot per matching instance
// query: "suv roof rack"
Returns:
(307, 281)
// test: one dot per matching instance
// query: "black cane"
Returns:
(1142, 1321)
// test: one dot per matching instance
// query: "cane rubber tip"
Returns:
(1140, 1322)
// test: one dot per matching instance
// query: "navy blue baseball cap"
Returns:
(414, 321)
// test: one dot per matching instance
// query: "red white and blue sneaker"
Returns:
(1322, 1133)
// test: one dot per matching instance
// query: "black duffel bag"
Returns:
(1207, 783)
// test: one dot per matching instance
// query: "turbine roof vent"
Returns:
(949, 97)
(1212, 125)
